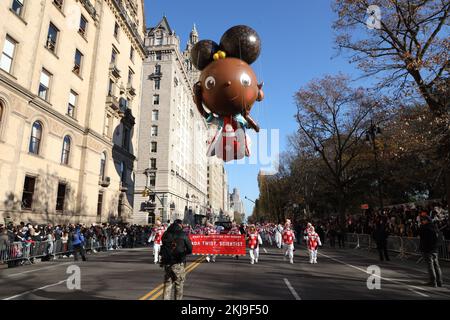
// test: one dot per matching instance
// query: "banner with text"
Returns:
(220, 244)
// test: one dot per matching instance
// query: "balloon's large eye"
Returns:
(210, 82)
(246, 81)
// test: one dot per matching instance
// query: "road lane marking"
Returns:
(34, 270)
(34, 290)
(383, 278)
(294, 293)
(145, 297)
(74, 262)
(419, 293)
(265, 250)
(192, 267)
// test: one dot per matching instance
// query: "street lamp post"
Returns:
(148, 192)
(250, 200)
(371, 134)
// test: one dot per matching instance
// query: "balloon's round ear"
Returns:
(202, 53)
(241, 42)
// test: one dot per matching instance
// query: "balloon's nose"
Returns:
(228, 84)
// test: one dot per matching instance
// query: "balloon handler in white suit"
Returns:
(278, 236)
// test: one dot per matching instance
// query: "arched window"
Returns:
(65, 150)
(103, 165)
(36, 137)
(1, 114)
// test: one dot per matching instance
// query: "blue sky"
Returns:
(297, 46)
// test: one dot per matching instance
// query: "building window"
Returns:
(36, 137)
(154, 131)
(103, 166)
(175, 81)
(155, 115)
(158, 56)
(158, 40)
(83, 26)
(77, 62)
(44, 84)
(7, 58)
(52, 37)
(111, 88)
(152, 180)
(61, 196)
(28, 192)
(17, 7)
(156, 99)
(154, 146)
(65, 150)
(108, 125)
(114, 54)
(157, 84)
(58, 4)
(99, 204)
(116, 30)
(73, 98)
(130, 77)
(1, 115)
(132, 53)
(152, 163)
(123, 104)
(157, 69)
(126, 138)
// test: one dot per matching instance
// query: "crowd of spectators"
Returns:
(402, 221)
(57, 239)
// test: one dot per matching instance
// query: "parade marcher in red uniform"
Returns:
(254, 240)
(288, 241)
(156, 237)
(210, 230)
(234, 231)
(313, 243)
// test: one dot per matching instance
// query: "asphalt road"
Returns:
(130, 274)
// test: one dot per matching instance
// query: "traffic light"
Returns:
(146, 192)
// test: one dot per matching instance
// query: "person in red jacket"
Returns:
(313, 244)
(288, 242)
(210, 230)
(254, 240)
(156, 236)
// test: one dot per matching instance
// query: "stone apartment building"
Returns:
(70, 89)
(171, 180)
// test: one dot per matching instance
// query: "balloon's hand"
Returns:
(260, 92)
(251, 122)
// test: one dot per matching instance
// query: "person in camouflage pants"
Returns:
(175, 246)
(174, 281)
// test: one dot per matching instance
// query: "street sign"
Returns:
(148, 206)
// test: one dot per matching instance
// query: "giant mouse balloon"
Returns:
(228, 88)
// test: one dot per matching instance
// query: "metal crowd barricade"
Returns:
(365, 241)
(352, 239)
(405, 246)
(26, 251)
(444, 250)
